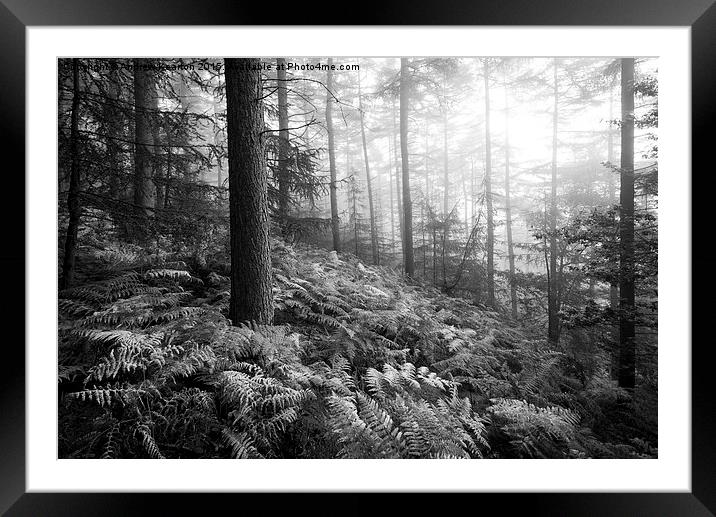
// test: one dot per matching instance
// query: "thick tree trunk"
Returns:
(283, 148)
(248, 195)
(627, 350)
(552, 303)
(488, 193)
(143, 184)
(407, 202)
(508, 211)
(335, 228)
(73, 197)
(373, 230)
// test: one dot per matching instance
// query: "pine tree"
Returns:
(488, 191)
(407, 202)
(369, 186)
(143, 173)
(335, 225)
(248, 194)
(73, 197)
(627, 345)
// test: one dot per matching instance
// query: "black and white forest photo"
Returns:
(357, 257)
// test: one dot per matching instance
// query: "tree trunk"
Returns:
(157, 148)
(552, 307)
(283, 147)
(407, 202)
(392, 198)
(332, 159)
(168, 177)
(113, 117)
(248, 195)
(398, 183)
(143, 184)
(488, 192)
(218, 142)
(73, 197)
(508, 211)
(613, 286)
(627, 350)
(373, 230)
(446, 179)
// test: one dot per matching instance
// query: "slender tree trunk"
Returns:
(392, 197)
(435, 254)
(425, 162)
(369, 186)
(113, 116)
(446, 179)
(407, 202)
(283, 147)
(472, 193)
(335, 228)
(446, 184)
(627, 345)
(143, 184)
(217, 142)
(465, 202)
(355, 221)
(488, 192)
(248, 195)
(168, 178)
(186, 104)
(73, 197)
(552, 303)
(398, 182)
(613, 286)
(156, 149)
(508, 210)
(426, 207)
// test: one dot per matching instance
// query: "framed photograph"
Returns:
(324, 250)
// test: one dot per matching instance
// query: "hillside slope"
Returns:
(360, 363)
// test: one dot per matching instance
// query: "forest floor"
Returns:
(360, 363)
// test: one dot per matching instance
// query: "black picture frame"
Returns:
(17, 15)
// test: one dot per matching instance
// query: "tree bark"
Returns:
(508, 210)
(446, 179)
(217, 142)
(113, 117)
(283, 148)
(552, 304)
(398, 182)
(251, 298)
(369, 186)
(488, 192)
(392, 201)
(335, 228)
(613, 286)
(407, 202)
(157, 147)
(73, 197)
(143, 184)
(627, 349)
